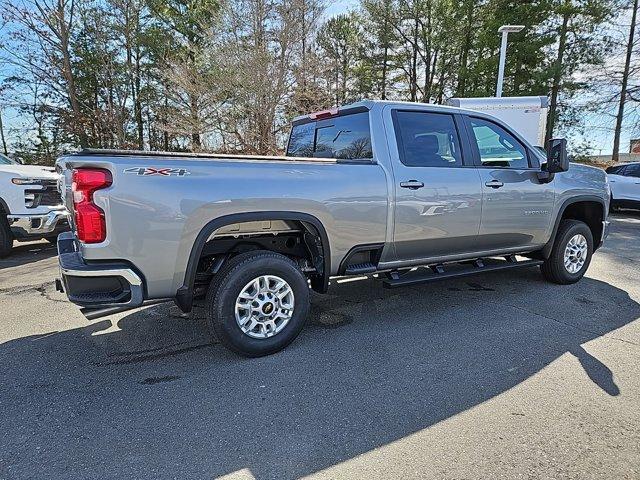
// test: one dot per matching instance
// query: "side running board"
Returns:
(360, 269)
(438, 272)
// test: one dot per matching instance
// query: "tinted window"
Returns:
(632, 170)
(617, 170)
(345, 137)
(427, 139)
(497, 147)
(301, 140)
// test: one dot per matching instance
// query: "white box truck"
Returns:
(527, 115)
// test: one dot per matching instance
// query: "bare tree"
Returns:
(4, 141)
(45, 28)
(624, 94)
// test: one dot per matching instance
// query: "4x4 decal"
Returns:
(164, 172)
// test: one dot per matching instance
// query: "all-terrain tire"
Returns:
(554, 269)
(6, 237)
(232, 279)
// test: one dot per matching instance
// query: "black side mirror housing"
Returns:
(557, 158)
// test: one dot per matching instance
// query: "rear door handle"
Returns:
(412, 184)
(494, 184)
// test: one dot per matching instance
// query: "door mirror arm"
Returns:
(544, 175)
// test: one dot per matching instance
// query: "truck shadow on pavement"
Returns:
(25, 253)
(150, 397)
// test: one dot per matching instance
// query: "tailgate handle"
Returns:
(412, 184)
(494, 184)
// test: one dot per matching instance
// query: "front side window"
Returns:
(497, 147)
(427, 139)
(344, 137)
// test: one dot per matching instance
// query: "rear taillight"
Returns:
(90, 223)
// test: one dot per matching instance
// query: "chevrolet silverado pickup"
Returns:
(409, 193)
(30, 206)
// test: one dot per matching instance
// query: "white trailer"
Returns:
(527, 115)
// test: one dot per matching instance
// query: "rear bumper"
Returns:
(41, 225)
(99, 285)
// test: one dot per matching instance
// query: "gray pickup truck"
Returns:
(409, 192)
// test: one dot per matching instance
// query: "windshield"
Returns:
(4, 160)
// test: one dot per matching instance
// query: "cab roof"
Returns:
(366, 104)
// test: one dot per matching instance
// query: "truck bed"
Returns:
(153, 218)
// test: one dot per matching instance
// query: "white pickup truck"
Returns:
(30, 205)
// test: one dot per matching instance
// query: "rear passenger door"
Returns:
(516, 206)
(632, 173)
(437, 188)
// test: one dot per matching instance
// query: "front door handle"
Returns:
(412, 184)
(494, 184)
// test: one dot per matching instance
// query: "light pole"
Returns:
(504, 30)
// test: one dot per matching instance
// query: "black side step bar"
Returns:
(439, 272)
(360, 269)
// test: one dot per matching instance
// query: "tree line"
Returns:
(228, 75)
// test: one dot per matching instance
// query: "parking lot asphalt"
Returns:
(495, 376)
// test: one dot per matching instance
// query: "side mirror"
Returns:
(557, 158)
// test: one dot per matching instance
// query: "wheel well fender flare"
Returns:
(184, 294)
(546, 250)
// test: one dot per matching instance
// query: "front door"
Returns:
(517, 207)
(437, 189)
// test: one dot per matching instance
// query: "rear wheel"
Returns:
(571, 253)
(258, 303)
(6, 237)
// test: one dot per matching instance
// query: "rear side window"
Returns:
(497, 147)
(632, 170)
(344, 137)
(427, 139)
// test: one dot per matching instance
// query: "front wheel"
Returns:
(571, 253)
(258, 303)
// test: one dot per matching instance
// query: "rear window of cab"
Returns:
(341, 137)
